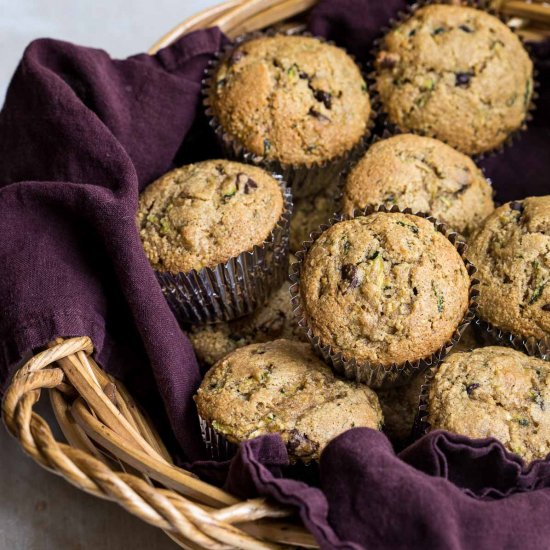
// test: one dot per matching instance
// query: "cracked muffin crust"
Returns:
(494, 392)
(283, 387)
(384, 288)
(512, 254)
(274, 320)
(455, 73)
(203, 214)
(294, 99)
(423, 174)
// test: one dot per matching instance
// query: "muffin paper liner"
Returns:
(393, 129)
(372, 374)
(218, 447)
(234, 288)
(530, 346)
(304, 180)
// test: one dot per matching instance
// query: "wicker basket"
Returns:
(112, 451)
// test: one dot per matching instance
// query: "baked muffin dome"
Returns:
(283, 387)
(494, 392)
(294, 99)
(201, 215)
(512, 254)
(384, 288)
(400, 405)
(273, 320)
(423, 174)
(455, 73)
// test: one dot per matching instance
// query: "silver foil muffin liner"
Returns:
(236, 287)
(304, 180)
(376, 375)
(400, 18)
(530, 346)
(218, 447)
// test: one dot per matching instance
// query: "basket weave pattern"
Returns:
(112, 451)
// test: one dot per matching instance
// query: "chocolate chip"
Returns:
(318, 115)
(471, 387)
(463, 79)
(465, 28)
(545, 307)
(297, 439)
(324, 97)
(250, 184)
(349, 273)
(303, 75)
(415, 291)
(236, 56)
(387, 60)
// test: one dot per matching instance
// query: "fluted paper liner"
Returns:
(218, 447)
(234, 288)
(304, 179)
(404, 15)
(372, 374)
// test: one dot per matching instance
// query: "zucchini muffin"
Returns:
(293, 99)
(272, 321)
(455, 73)
(383, 289)
(203, 214)
(282, 387)
(310, 213)
(423, 174)
(400, 405)
(494, 392)
(512, 255)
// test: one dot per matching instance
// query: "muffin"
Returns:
(512, 254)
(227, 217)
(400, 405)
(295, 101)
(455, 73)
(494, 392)
(274, 320)
(282, 387)
(310, 213)
(423, 174)
(383, 289)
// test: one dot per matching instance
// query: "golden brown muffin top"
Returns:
(455, 73)
(294, 99)
(423, 174)
(494, 392)
(283, 387)
(203, 214)
(512, 254)
(385, 288)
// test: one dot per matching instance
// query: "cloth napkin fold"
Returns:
(80, 135)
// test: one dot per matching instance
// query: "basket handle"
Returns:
(115, 453)
(235, 17)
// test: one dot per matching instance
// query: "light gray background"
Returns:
(39, 511)
(121, 27)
